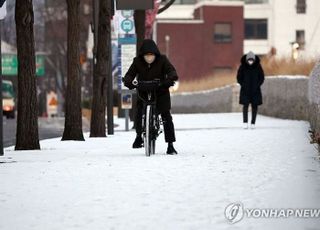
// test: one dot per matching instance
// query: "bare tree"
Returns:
(140, 18)
(101, 71)
(139, 23)
(27, 136)
(55, 15)
(166, 6)
(73, 117)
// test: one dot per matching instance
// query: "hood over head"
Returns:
(149, 46)
(250, 55)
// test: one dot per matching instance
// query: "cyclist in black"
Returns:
(150, 65)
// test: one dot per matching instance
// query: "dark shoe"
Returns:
(171, 150)
(138, 143)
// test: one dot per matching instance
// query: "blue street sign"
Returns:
(127, 25)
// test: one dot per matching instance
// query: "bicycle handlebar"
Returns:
(148, 86)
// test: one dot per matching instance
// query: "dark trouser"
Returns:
(254, 113)
(166, 120)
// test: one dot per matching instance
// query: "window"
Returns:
(185, 2)
(245, 1)
(222, 32)
(301, 6)
(300, 38)
(256, 29)
(256, 1)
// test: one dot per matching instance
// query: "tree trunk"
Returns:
(73, 117)
(139, 23)
(101, 71)
(27, 136)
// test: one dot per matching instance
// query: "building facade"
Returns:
(281, 24)
(187, 32)
(202, 39)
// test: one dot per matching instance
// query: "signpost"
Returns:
(126, 104)
(126, 53)
(127, 47)
(3, 13)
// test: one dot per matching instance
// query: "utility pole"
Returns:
(110, 123)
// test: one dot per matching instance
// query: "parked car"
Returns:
(8, 99)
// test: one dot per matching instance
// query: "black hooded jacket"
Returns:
(250, 77)
(161, 69)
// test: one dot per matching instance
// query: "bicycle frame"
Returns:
(150, 117)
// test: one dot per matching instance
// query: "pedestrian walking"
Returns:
(250, 77)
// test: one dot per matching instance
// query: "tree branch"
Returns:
(166, 6)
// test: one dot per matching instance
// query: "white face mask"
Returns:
(250, 62)
(149, 58)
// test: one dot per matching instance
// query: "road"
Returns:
(48, 128)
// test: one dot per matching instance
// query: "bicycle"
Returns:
(146, 91)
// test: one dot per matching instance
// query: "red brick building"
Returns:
(203, 39)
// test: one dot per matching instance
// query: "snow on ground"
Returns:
(104, 184)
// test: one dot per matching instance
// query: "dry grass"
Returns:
(206, 83)
(271, 67)
(285, 66)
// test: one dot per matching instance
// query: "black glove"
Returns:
(128, 84)
(167, 83)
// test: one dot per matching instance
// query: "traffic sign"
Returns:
(126, 100)
(127, 13)
(10, 65)
(52, 104)
(127, 52)
(127, 25)
(125, 22)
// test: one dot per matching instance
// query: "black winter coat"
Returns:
(161, 69)
(250, 77)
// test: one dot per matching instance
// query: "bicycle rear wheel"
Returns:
(153, 147)
(147, 136)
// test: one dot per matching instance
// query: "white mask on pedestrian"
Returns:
(250, 61)
(149, 58)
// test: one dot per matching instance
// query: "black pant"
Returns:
(166, 120)
(254, 113)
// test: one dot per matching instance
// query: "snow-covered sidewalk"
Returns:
(104, 184)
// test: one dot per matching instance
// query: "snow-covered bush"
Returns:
(285, 97)
(209, 101)
(314, 99)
